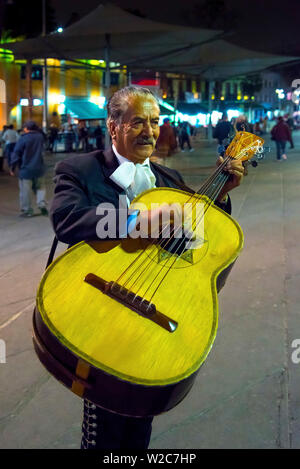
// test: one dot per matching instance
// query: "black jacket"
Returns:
(28, 155)
(82, 183)
(222, 130)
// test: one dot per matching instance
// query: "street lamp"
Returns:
(281, 95)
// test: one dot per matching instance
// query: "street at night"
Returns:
(248, 384)
(117, 121)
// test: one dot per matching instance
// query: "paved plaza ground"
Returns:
(247, 393)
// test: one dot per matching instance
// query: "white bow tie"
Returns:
(134, 178)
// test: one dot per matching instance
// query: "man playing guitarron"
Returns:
(85, 181)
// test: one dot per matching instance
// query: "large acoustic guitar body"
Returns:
(114, 355)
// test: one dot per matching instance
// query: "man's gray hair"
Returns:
(118, 103)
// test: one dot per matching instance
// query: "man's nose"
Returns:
(147, 129)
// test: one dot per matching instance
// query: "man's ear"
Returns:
(111, 126)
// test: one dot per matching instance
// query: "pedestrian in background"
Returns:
(185, 133)
(2, 147)
(98, 135)
(290, 122)
(222, 133)
(166, 142)
(83, 136)
(10, 137)
(53, 138)
(281, 134)
(242, 124)
(28, 157)
(256, 128)
(69, 138)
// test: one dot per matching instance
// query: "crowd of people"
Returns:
(75, 137)
(281, 132)
(25, 148)
(174, 137)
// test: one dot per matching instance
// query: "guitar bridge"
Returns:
(132, 301)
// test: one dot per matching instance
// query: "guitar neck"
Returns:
(214, 184)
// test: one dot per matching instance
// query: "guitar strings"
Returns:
(171, 247)
(176, 258)
(173, 256)
(214, 196)
(151, 259)
(203, 188)
(165, 241)
(206, 185)
(216, 191)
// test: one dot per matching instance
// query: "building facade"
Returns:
(71, 87)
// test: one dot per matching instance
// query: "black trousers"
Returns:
(104, 430)
(185, 139)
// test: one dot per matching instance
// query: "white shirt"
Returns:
(133, 178)
(10, 136)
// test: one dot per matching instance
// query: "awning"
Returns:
(142, 44)
(131, 38)
(84, 109)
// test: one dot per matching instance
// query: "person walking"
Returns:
(53, 138)
(222, 129)
(166, 142)
(83, 136)
(28, 157)
(290, 122)
(98, 135)
(10, 137)
(2, 148)
(281, 134)
(185, 136)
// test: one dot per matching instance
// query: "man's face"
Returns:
(135, 137)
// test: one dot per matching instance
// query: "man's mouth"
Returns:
(145, 143)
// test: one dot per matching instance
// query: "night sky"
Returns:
(257, 24)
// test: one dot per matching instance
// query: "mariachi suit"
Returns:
(82, 183)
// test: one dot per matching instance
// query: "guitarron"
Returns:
(127, 324)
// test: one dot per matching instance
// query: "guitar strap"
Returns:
(159, 169)
(52, 251)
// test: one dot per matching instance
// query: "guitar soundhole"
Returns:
(189, 250)
(176, 246)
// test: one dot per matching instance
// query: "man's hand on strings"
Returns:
(236, 170)
(154, 223)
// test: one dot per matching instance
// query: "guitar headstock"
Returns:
(244, 146)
